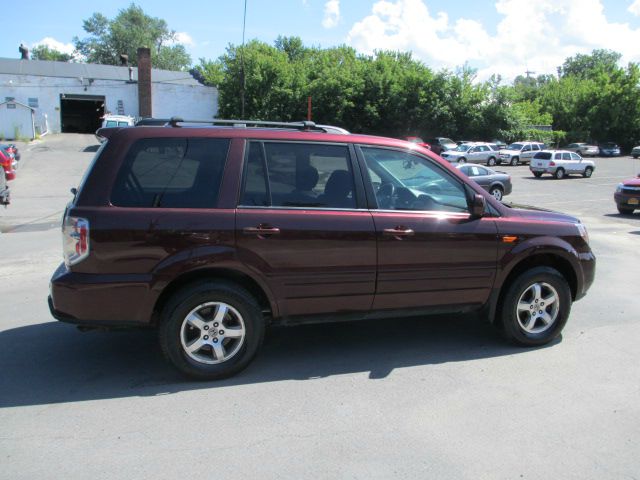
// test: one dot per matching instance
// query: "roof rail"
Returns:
(302, 125)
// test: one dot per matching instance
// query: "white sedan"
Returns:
(560, 163)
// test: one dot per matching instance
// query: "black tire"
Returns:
(625, 211)
(559, 173)
(514, 161)
(587, 172)
(491, 161)
(537, 174)
(184, 301)
(509, 319)
(462, 160)
(497, 192)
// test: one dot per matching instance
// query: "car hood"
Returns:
(454, 153)
(632, 182)
(510, 152)
(537, 213)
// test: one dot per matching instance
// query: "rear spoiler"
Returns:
(107, 132)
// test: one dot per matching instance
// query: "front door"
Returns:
(302, 226)
(431, 253)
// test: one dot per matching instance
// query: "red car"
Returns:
(8, 162)
(418, 141)
(627, 196)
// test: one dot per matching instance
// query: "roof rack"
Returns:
(304, 125)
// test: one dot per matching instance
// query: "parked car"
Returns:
(635, 152)
(441, 144)
(8, 163)
(110, 121)
(471, 153)
(5, 193)
(583, 149)
(499, 143)
(307, 226)
(519, 152)
(418, 141)
(497, 184)
(560, 164)
(11, 148)
(627, 196)
(609, 149)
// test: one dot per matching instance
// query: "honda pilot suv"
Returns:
(212, 233)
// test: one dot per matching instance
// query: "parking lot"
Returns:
(442, 397)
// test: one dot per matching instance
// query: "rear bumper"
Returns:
(101, 300)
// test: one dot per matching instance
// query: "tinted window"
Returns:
(542, 156)
(575, 156)
(403, 181)
(171, 173)
(482, 171)
(111, 123)
(299, 175)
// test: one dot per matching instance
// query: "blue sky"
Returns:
(500, 36)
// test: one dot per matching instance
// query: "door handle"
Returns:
(261, 231)
(398, 232)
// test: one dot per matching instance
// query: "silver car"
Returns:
(519, 152)
(497, 184)
(583, 149)
(476, 152)
(560, 164)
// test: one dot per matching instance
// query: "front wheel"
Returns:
(514, 161)
(496, 191)
(536, 307)
(588, 172)
(211, 330)
(491, 161)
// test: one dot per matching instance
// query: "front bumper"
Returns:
(627, 200)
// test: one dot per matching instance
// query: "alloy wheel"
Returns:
(538, 307)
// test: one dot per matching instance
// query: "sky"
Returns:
(505, 37)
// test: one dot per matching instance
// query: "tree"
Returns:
(588, 66)
(128, 31)
(43, 52)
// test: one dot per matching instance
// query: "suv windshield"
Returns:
(462, 148)
(515, 146)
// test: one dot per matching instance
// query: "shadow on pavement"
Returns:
(91, 148)
(55, 363)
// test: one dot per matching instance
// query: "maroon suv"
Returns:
(212, 233)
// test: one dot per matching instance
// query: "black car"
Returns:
(497, 184)
(4, 189)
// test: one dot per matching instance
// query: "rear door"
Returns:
(431, 253)
(303, 227)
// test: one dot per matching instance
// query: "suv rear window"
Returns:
(542, 156)
(171, 173)
(299, 175)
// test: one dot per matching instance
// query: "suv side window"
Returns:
(527, 148)
(171, 173)
(575, 156)
(404, 181)
(299, 175)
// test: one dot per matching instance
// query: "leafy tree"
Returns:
(43, 52)
(588, 66)
(128, 31)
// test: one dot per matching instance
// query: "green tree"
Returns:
(128, 31)
(43, 52)
(588, 66)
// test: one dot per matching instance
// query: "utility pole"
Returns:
(243, 83)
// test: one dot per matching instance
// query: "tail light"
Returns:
(75, 239)
(552, 164)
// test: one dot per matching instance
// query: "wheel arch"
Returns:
(226, 274)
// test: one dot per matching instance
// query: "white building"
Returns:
(71, 97)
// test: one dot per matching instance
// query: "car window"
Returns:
(466, 170)
(171, 173)
(299, 175)
(404, 181)
(527, 148)
(482, 170)
(515, 146)
(475, 171)
(542, 156)
(575, 156)
(123, 124)
(558, 156)
(111, 123)
(566, 156)
(572, 145)
(536, 146)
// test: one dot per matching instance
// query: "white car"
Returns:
(519, 152)
(635, 153)
(115, 121)
(475, 152)
(560, 164)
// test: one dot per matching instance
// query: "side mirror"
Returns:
(477, 206)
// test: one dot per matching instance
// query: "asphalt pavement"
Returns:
(442, 397)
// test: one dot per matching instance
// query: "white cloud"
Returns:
(331, 14)
(54, 44)
(537, 36)
(185, 39)
(634, 8)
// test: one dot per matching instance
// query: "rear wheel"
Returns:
(491, 161)
(514, 161)
(211, 330)
(587, 172)
(559, 173)
(536, 307)
(496, 191)
(537, 174)
(462, 160)
(625, 211)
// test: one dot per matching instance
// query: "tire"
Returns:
(491, 161)
(519, 326)
(537, 174)
(635, 156)
(559, 173)
(625, 211)
(496, 191)
(206, 299)
(462, 160)
(514, 161)
(587, 172)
